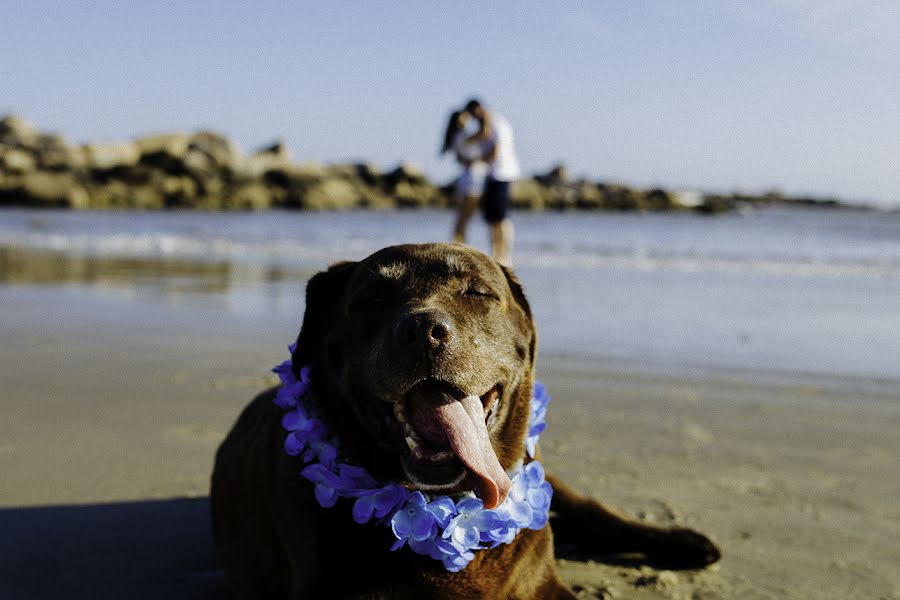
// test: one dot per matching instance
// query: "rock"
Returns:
(145, 197)
(658, 199)
(368, 174)
(180, 152)
(371, 197)
(687, 199)
(113, 194)
(17, 132)
(405, 172)
(588, 196)
(54, 153)
(277, 150)
(558, 175)
(252, 167)
(179, 191)
(109, 155)
(17, 161)
(527, 194)
(174, 145)
(219, 149)
(252, 196)
(330, 194)
(714, 204)
(620, 197)
(54, 189)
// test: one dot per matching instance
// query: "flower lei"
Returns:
(445, 529)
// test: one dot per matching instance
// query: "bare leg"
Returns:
(501, 241)
(467, 206)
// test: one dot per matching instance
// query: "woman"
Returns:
(469, 150)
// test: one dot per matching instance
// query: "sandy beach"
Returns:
(112, 408)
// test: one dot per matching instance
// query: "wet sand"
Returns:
(111, 409)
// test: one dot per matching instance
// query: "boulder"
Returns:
(109, 155)
(330, 194)
(111, 195)
(219, 149)
(17, 132)
(558, 175)
(251, 196)
(620, 197)
(255, 165)
(368, 174)
(658, 199)
(277, 150)
(179, 191)
(146, 197)
(203, 152)
(527, 194)
(405, 172)
(52, 152)
(174, 145)
(588, 196)
(16, 160)
(54, 189)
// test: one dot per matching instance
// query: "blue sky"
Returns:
(799, 95)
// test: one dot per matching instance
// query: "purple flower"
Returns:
(413, 521)
(537, 423)
(291, 387)
(453, 558)
(378, 503)
(355, 480)
(503, 530)
(531, 495)
(326, 484)
(443, 510)
(464, 530)
(446, 531)
(303, 431)
(322, 451)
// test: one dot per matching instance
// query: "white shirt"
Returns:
(505, 166)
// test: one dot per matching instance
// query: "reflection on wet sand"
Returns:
(44, 267)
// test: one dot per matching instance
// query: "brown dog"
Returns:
(426, 328)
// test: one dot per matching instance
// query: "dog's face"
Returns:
(422, 360)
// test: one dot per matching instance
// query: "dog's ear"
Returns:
(322, 293)
(516, 288)
(522, 301)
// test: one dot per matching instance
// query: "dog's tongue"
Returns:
(463, 423)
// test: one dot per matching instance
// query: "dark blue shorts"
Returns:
(495, 200)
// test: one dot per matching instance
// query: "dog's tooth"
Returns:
(440, 456)
(399, 412)
(413, 445)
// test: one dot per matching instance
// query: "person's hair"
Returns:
(472, 105)
(453, 126)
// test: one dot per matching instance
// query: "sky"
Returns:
(802, 96)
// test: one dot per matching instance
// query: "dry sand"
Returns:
(108, 427)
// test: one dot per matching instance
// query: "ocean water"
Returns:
(811, 291)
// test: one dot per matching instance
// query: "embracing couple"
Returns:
(482, 141)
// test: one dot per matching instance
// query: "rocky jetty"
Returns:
(203, 170)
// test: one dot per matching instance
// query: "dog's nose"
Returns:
(430, 329)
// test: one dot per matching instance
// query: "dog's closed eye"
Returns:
(480, 289)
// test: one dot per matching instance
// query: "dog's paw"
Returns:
(683, 548)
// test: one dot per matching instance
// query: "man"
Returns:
(500, 155)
